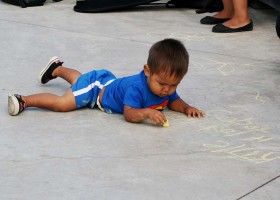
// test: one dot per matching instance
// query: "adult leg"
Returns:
(221, 16)
(228, 10)
(240, 16)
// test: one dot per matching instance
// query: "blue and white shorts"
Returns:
(88, 86)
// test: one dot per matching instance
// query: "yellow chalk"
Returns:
(165, 124)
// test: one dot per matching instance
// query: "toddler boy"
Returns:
(138, 97)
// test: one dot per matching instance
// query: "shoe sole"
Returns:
(13, 105)
(41, 74)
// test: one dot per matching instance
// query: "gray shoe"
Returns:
(15, 104)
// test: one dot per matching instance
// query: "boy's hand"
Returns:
(139, 114)
(194, 112)
(181, 106)
(157, 117)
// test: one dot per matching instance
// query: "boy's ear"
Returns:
(147, 70)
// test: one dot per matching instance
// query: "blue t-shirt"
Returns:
(133, 91)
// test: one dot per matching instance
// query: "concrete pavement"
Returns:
(233, 153)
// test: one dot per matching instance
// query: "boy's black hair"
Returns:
(170, 57)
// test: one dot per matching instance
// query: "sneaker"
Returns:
(15, 104)
(46, 73)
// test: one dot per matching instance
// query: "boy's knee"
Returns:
(64, 106)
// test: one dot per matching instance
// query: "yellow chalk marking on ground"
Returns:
(166, 124)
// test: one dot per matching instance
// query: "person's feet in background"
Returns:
(278, 25)
(233, 18)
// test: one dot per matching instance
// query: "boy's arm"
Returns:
(139, 114)
(180, 106)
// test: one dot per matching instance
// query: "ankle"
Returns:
(224, 14)
(57, 71)
(24, 99)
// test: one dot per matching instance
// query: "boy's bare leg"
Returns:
(51, 101)
(54, 102)
(17, 103)
(54, 69)
(68, 74)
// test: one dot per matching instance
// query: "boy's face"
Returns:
(161, 84)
